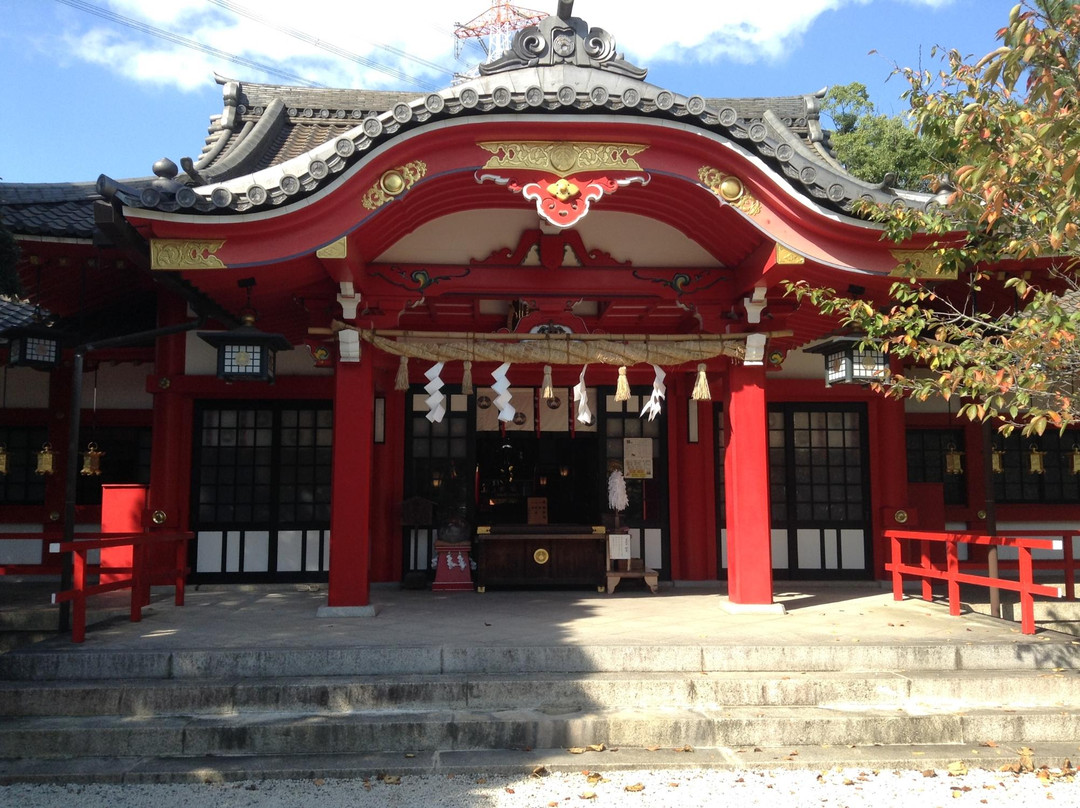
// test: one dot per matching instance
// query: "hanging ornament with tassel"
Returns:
(701, 387)
(547, 389)
(402, 380)
(466, 379)
(622, 388)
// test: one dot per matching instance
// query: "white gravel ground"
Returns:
(847, 788)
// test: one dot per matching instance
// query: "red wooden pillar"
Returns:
(888, 478)
(350, 505)
(746, 468)
(692, 485)
(170, 460)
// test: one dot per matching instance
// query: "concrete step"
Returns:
(60, 660)
(912, 690)
(516, 763)
(279, 733)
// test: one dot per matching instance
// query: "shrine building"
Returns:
(361, 324)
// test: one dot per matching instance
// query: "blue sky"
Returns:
(84, 95)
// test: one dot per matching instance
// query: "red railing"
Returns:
(140, 574)
(929, 571)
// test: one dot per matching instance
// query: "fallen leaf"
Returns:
(651, 748)
(509, 791)
(587, 795)
(319, 781)
(929, 773)
(635, 787)
(596, 747)
(410, 754)
(576, 750)
(540, 771)
(594, 778)
(957, 768)
(991, 744)
(687, 748)
(481, 781)
(391, 779)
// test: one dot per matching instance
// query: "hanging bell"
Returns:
(997, 460)
(91, 461)
(954, 460)
(1035, 460)
(46, 460)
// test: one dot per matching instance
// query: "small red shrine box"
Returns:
(122, 509)
(453, 569)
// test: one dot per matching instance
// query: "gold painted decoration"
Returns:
(541, 556)
(335, 249)
(786, 257)
(563, 158)
(394, 183)
(730, 190)
(174, 253)
(920, 264)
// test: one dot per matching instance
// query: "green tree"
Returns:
(1013, 204)
(873, 146)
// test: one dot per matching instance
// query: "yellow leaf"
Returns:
(576, 750)
(596, 747)
(957, 768)
(635, 787)
(588, 795)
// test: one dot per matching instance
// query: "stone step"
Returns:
(279, 733)
(516, 763)
(932, 690)
(61, 660)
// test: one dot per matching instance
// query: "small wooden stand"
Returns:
(453, 572)
(621, 564)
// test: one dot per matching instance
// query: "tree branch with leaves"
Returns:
(1003, 336)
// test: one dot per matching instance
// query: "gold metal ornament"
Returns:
(954, 460)
(541, 556)
(172, 253)
(3, 459)
(563, 158)
(46, 460)
(91, 466)
(1035, 460)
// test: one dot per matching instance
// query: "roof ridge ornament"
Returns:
(563, 39)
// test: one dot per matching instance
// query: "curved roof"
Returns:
(273, 145)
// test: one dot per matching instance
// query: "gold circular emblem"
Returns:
(392, 182)
(159, 517)
(901, 517)
(541, 556)
(563, 157)
(731, 189)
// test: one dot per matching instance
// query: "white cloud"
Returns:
(647, 32)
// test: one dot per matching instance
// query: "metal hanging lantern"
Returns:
(46, 460)
(847, 363)
(997, 459)
(1035, 460)
(33, 346)
(954, 460)
(3, 459)
(245, 352)
(1074, 459)
(91, 466)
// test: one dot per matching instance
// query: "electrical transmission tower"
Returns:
(494, 29)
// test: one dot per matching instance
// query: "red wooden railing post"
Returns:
(1027, 600)
(78, 582)
(897, 561)
(181, 572)
(1069, 563)
(924, 561)
(952, 563)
